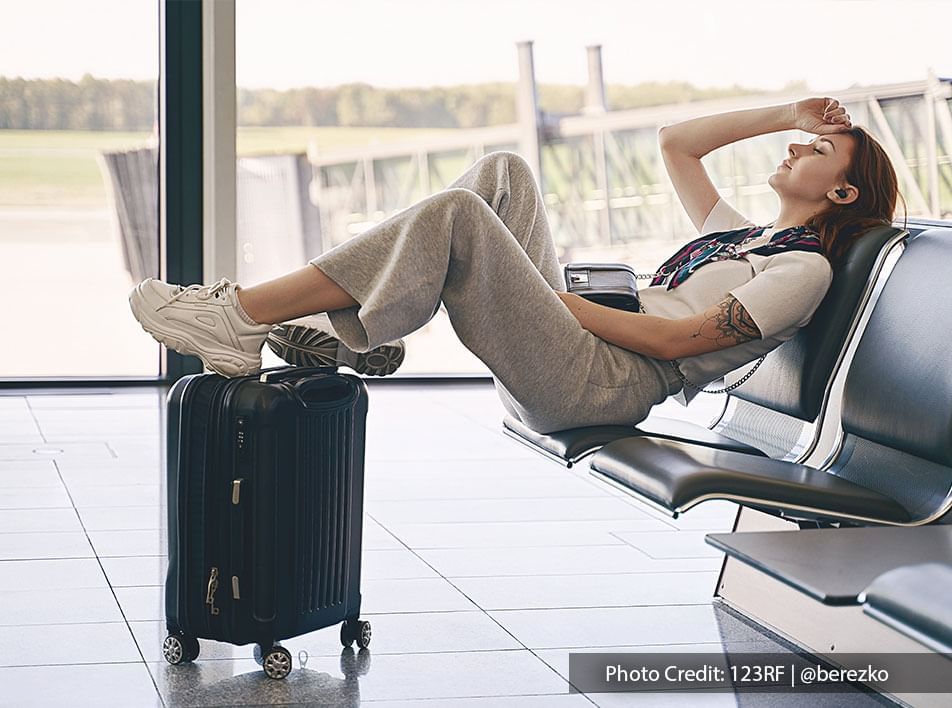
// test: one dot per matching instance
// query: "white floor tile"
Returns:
(45, 574)
(393, 564)
(34, 520)
(54, 451)
(34, 498)
(30, 546)
(130, 543)
(605, 627)
(457, 510)
(19, 433)
(666, 544)
(566, 591)
(58, 606)
(148, 399)
(513, 534)
(438, 487)
(466, 470)
(124, 496)
(141, 604)
(14, 405)
(101, 643)
(113, 475)
(548, 560)
(29, 473)
(412, 595)
(121, 518)
(135, 571)
(93, 685)
(376, 537)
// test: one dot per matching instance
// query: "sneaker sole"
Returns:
(305, 346)
(226, 362)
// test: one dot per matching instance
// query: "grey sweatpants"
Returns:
(483, 247)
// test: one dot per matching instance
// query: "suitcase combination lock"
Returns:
(212, 589)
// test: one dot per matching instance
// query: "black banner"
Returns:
(787, 672)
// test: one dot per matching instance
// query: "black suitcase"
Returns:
(265, 487)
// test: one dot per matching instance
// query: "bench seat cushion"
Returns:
(573, 444)
(678, 475)
(685, 431)
(917, 601)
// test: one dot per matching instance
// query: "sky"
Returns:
(287, 43)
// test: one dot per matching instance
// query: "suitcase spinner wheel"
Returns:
(276, 662)
(354, 630)
(179, 649)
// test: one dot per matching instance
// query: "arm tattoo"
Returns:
(731, 324)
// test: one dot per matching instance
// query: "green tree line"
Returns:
(124, 104)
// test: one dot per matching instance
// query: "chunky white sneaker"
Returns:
(309, 345)
(202, 320)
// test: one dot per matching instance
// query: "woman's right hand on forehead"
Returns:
(820, 116)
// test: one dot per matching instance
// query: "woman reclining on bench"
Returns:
(483, 247)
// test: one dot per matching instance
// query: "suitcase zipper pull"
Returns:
(212, 589)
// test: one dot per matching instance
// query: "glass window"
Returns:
(78, 186)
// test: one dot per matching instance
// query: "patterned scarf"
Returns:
(722, 245)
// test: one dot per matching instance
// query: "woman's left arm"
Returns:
(726, 324)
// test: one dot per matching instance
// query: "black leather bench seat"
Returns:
(915, 600)
(676, 476)
(836, 566)
(571, 445)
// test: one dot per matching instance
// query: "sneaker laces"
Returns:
(209, 290)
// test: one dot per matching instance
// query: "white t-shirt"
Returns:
(780, 291)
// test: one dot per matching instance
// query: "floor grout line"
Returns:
(637, 514)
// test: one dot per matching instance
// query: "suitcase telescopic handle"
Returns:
(291, 372)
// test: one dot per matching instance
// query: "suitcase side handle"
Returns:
(325, 392)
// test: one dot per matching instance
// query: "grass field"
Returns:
(59, 168)
(56, 168)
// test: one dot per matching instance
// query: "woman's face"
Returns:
(811, 171)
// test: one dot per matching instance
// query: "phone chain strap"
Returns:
(674, 362)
